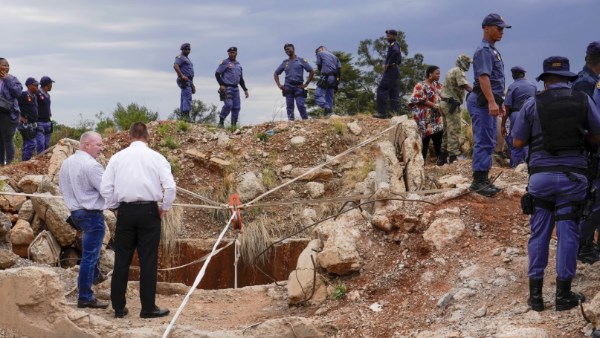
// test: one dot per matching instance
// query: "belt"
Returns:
(138, 203)
(230, 85)
(294, 83)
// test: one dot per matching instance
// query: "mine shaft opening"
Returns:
(280, 260)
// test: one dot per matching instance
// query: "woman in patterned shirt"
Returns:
(425, 110)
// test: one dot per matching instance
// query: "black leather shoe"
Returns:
(121, 313)
(154, 313)
(93, 304)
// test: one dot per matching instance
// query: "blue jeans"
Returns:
(92, 223)
(484, 134)
(561, 189)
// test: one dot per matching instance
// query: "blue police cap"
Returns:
(557, 65)
(185, 46)
(593, 48)
(231, 49)
(31, 81)
(45, 80)
(518, 69)
(494, 19)
(391, 32)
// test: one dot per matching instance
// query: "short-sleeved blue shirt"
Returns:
(487, 60)
(185, 65)
(231, 72)
(527, 124)
(328, 62)
(596, 95)
(294, 70)
(518, 92)
(586, 81)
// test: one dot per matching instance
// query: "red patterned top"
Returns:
(428, 120)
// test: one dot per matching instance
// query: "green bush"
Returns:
(125, 116)
(339, 291)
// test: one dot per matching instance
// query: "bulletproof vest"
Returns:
(562, 113)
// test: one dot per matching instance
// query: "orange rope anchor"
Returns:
(234, 203)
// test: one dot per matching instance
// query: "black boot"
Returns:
(536, 301)
(565, 298)
(587, 254)
(480, 185)
(221, 123)
(234, 123)
(452, 159)
(377, 115)
(442, 159)
(327, 112)
(488, 182)
(185, 115)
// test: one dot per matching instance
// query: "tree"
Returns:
(104, 123)
(124, 117)
(200, 113)
(371, 56)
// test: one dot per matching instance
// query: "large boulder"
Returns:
(10, 203)
(26, 211)
(291, 327)
(443, 231)
(5, 226)
(249, 187)
(7, 259)
(315, 189)
(54, 213)
(45, 249)
(21, 237)
(340, 255)
(32, 302)
(407, 140)
(30, 183)
(592, 310)
(301, 283)
(63, 149)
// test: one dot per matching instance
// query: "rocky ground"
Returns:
(451, 264)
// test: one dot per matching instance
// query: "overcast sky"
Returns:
(101, 53)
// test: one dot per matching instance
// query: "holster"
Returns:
(482, 100)
(28, 131)
(181, 83)
(222, 95)
(527, 204)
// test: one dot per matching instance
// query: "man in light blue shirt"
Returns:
(80, 177)
(331, 69)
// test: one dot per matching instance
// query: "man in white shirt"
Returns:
(80, 176)
(133, 185)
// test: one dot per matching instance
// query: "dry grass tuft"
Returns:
(171, 229)
(255, 239)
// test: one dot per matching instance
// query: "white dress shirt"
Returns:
(138, 173)
(79, 182)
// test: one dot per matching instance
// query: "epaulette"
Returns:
(305, 60)
(598, 85)
(178, 56)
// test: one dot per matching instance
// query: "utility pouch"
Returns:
(28, 131)
(482, 101)
(181, 83)
(72, 223)
(222, 95)
(322, 83)
(304, 93)
(527, 204)
(5, 106)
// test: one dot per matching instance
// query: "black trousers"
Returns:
(138, 227)
(437, 143)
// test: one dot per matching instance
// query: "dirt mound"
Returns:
(473, 286)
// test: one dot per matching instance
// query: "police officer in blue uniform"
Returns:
(518, 92)
(389, 86)
(10, 90)
(586, 81)
(590, 74)
(485, 102)
(229, 75)
(185, 80)
(331, 70)
(294, 87)
(44, 112)
(29, 117)
(555, 123)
